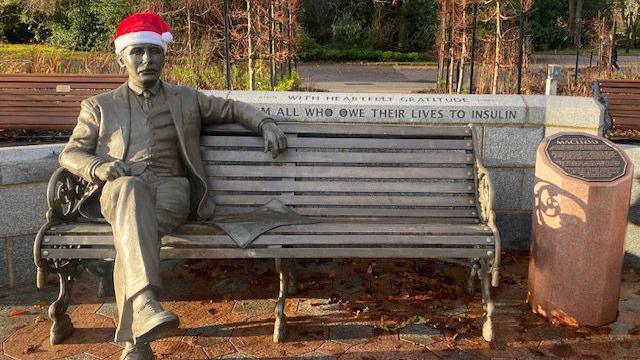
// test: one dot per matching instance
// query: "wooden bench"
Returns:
(48, 101)
(380, 192)
(621, 99)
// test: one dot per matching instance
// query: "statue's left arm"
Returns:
(216, 110)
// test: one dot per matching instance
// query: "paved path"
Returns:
(393, 78)
(226, 312)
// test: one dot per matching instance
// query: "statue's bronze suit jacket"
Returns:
(104, 126)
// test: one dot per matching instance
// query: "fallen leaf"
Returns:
(29, 349)
(17, 312)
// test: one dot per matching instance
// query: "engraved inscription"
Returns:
(587, 158)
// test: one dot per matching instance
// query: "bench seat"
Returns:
(333, 238)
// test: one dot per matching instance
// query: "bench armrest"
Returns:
(486, 198)
(64, 192)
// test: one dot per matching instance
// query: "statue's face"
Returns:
(144, 63)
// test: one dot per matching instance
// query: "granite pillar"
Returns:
(581, 202)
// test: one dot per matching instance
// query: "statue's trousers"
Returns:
(140, 209)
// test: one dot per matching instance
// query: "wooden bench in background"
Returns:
(621, 99)
(48, 101)
(379, 191)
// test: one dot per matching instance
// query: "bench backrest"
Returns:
(622, 99)
(347, 171)
(48, 101)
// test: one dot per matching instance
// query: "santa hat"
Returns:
(142, 28)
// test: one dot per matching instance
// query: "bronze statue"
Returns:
(142, 142)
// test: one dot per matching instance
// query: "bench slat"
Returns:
(341, 172)
(372, 200)
(351, 130)
(340, 157)
(341, 186)
(321, 228)
(285, 240)
(172, 253)
(333, 143)
(441, 214)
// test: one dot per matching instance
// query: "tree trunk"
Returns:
(252, 77)
(452, 60)
(496, 60)
(441, 47)
(463, 53)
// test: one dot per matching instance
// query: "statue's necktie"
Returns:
(146, 104)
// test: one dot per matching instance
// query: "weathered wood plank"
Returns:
(172, 253)
(346, 172)
(441, 214)
(285, 240)
(371, 200)
(291, 155)
(332, 143)
(340, 186)
(351, 130)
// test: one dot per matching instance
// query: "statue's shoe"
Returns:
(152, 322)
(139, 351)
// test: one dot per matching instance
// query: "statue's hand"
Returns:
(274, 139)
(110, 171)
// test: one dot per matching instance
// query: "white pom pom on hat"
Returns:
(142, 28)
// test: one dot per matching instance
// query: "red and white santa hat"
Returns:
(142, 28)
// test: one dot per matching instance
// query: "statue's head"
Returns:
(144, 63)
(141, 43)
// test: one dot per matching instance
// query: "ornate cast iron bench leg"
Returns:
(280, 325)
(62, 327)
(489, 307)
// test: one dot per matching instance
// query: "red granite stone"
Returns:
(577, 246)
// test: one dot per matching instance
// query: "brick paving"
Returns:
(344, 309)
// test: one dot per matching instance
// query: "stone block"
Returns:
(536, 108)
(632, 235)
(513, 146)
(19, 260)
(515, 229)
(587, 220)
(254, 307)
(27, 164)
(574, 112)
(28, 172)
(387, 108)
(24, 208)
(421, 334)
(4, 264)
(507, 184)
(350, 334)
(527, 189)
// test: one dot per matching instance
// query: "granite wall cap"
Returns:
(14, 154)
(386, 108)
(27, 164)
(574, 112)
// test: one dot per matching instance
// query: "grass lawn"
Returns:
(22, 51)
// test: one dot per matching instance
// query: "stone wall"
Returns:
(511, 126)
(24, 172)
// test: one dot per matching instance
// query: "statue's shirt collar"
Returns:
(138, 89)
